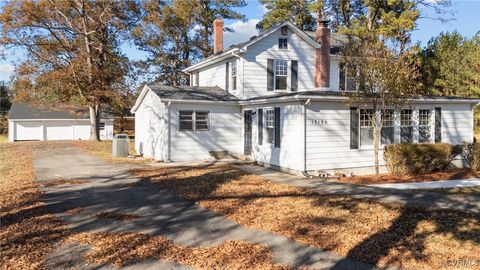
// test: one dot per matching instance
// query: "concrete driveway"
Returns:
(110, 187)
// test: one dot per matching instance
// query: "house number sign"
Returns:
(318, 122)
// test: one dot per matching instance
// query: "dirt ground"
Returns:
(376, 233)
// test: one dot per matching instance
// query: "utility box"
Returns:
(120, 145)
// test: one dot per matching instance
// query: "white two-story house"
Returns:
(279, 99)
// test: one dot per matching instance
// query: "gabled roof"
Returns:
(186, 93)
(242, 47)
(20, 111)
(205, 93)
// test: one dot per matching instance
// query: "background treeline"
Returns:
(74, 48)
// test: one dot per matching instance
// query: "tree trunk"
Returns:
(376, 147)
(94, 123)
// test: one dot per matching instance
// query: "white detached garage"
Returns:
(62, 122)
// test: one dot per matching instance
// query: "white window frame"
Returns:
(194, 121)
(266, 124)
(364, 123)
(427, 125)
(283, 38)
(275, 75)
(343, 68)
(233, 75)
(407, 123)
(388, 126)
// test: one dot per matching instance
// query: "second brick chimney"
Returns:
(217, 36)
(322, 60)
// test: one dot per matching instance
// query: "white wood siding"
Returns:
(255, 66)
(224, 134)
(328, 145)
(213, 75)
(151, 138)
(290, 154)
(457, 123)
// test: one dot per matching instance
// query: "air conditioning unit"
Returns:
(285, 30)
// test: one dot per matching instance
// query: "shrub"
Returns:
(471, 154)
(406, 158)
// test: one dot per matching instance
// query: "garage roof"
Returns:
(53, 111)
(202, 93)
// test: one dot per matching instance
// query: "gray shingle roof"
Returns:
(200, 93)
(54, 111)
(323, 93)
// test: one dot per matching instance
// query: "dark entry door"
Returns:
(247, 148)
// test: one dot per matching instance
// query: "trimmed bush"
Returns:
(471, 154)
(406, 158)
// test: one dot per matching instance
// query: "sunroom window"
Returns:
(424, 126)
(388, 127)
(366, 127)
(281, 74)
(406, 126)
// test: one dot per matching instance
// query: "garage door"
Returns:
(28, 131)
(59, 131)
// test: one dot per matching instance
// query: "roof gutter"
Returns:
(199, 101)
(214, 60)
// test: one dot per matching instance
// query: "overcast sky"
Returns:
(466, 15)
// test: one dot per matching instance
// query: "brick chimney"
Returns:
(322, 60)
(217, 36)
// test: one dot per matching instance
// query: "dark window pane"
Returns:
(366, 136)
(281, 83)
(234, 83)
(388, 135)
(282, 43)
(186, 120)
(201, 121)
(406, 134)
(424, 134)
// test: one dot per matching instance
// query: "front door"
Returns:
(247, 148)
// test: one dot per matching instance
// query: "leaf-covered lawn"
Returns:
(376, 233)
(28, 232)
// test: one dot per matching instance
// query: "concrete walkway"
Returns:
(422, 198)
(432, 184)
(111, 188)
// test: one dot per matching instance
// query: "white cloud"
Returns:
(242, 32)
(6, 68)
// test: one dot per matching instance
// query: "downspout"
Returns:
(169, 133)
(304, 137)
(189, 77)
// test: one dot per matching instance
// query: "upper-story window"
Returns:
(281, 74)
(233, 78)
(283, 43)
(348, 78)
(270, 125)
